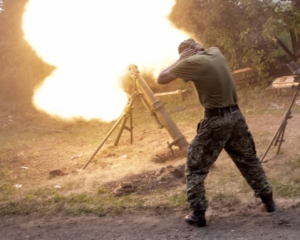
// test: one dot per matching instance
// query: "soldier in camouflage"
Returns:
(223, 126)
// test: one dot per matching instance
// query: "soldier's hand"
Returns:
(187, 53)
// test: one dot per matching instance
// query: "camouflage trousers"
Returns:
(229, 132)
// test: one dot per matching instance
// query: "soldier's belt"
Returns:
(220, 111)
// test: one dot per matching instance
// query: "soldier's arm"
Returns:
(166, 76)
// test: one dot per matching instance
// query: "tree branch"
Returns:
(285, 48)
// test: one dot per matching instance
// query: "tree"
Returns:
(243, 29)
(286, 18)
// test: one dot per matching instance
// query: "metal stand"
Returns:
(127, 114)
(278, 137)
(154, 107)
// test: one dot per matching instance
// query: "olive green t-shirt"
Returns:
(211, 76)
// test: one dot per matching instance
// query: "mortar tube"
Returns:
(158, 109)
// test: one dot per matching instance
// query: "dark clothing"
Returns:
(223, 127)
(211, 76)
(215, 133)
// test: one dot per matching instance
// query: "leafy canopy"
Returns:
(247, 31)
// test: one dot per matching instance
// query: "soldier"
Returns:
(223, 126)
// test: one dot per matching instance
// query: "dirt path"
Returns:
(230, 224)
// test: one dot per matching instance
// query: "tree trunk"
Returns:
(294, 42)
(295, 33)
(285, 48)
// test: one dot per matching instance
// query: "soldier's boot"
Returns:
(196, 218)
(268, 202)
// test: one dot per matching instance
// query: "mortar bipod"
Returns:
(174, 143)
(126, 114)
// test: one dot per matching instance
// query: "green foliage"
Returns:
(243, 30)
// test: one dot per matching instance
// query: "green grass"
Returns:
(293, 163)
(286, 188)
(226, 199)
(178, 199)
(45, 201)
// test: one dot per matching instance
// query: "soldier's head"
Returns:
(189, 43)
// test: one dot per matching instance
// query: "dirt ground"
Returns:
(245, 221)
(246, 224)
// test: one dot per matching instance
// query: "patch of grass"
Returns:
(287, 191)
(244, 187)
(128, 201)
(5, 173)
(6, 147)
(46, 200)
(227, 199)
(296, 179)
(43, 192)
(102, 191)
(283, 172)
(6, 190)
(178, 200)
(286, 188)
(294, 162)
